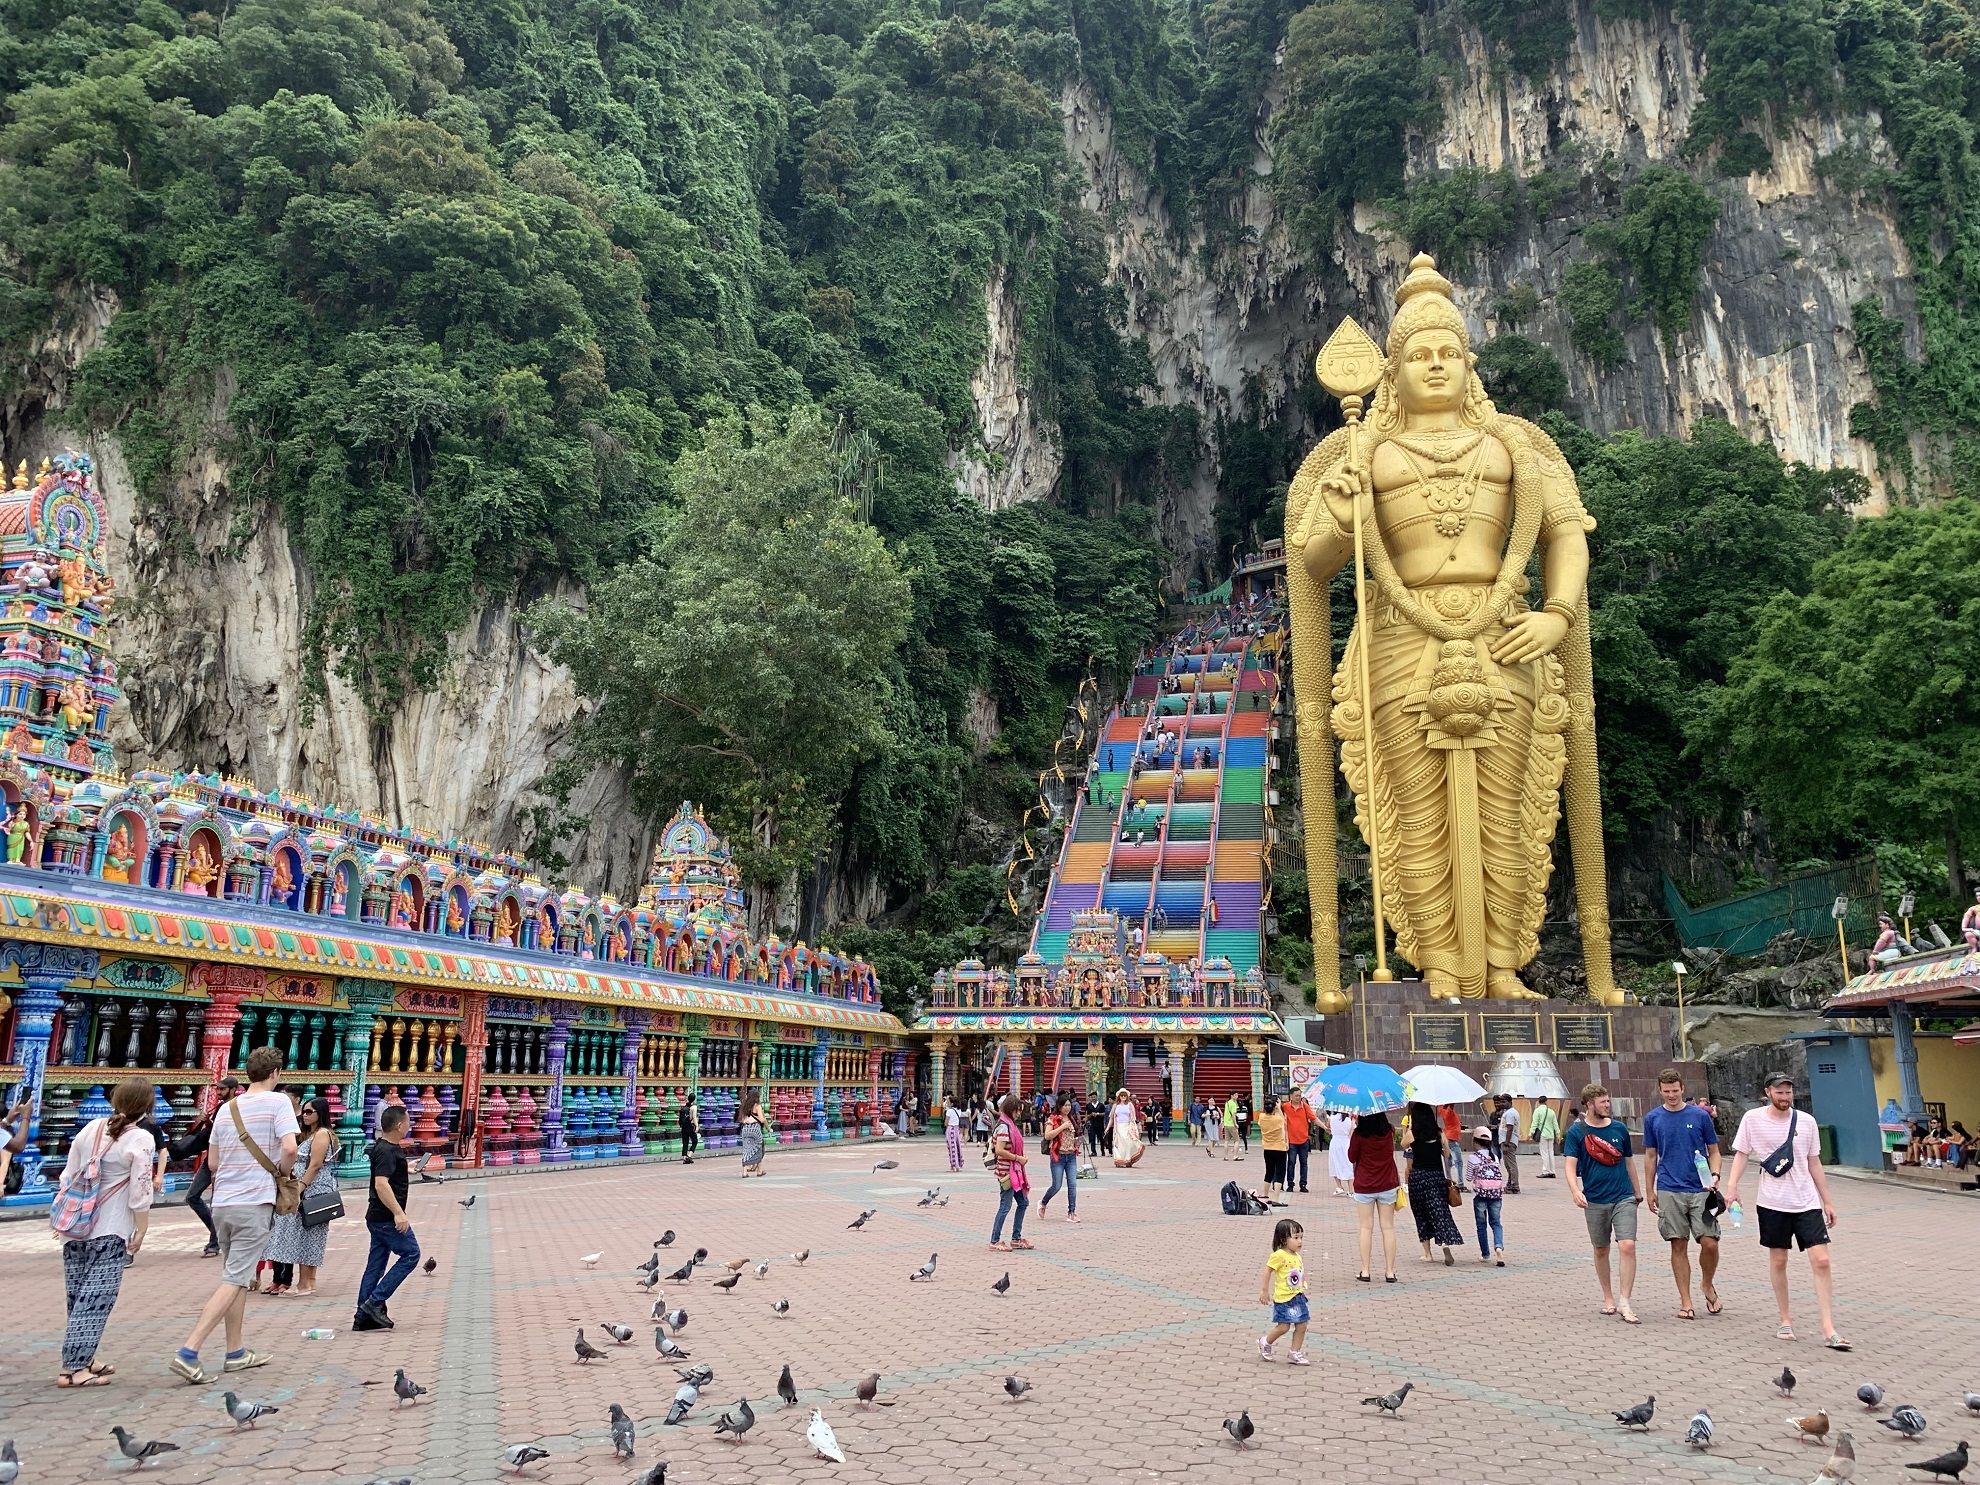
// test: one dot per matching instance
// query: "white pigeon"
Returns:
(823, 1440)
(519, 1457)
(590, 1260)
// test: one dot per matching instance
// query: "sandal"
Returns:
(81, 1377)
(1024, 1243)
(1628, 1316)
(1687, 1314)
(1714, 1305)
(1836, 1343)
(1608, 1309)
(1785, 1333)
(1000, 1247)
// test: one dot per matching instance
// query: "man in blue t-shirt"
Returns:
(1602, 1176)
(1681, 1168)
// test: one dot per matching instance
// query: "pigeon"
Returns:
(1240, 1428)
(929, 1199)
(736, 1265)
(868, 1391)
(1814, 1426)
(684, 1400)
(738, 1421)
(664, 1344)
(651, 1266)
(590, 1260)
(1972, 1401)
(1946, 1464)
(781, 1308)
(1870, 1395)
(622, 1433)
(1389, 1402)
(242, 1411)
(655, 1476)
(1003, 1286)
(701, 1374)
(1638, 1416)
(700, 1256)
(860, 1220)
(1699, 1435)
(519, 1457)
(763, 1269)
(470, 1201)
(648, 1281)
(665, 1240)
(682, 1274)
(10, 1463)
(1016, 1388)
(429, 1266)
(619, 1333)
(941, 1201)
(1784, 1383)
(585, 1350)
(821, 1438)
(886, 1165)
(407, 1389)
(149, 1449)
(1841, 1463)
(926, 1271)
(799, 1258)
(729, 1283)
(1905, 1419)
(786, 1388)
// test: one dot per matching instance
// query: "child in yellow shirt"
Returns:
(1283, 1287)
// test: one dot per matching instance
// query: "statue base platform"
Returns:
(1622, 1047)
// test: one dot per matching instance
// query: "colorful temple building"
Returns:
(161, 926)
(1144, 969)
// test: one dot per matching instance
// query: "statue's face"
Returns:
(1434, 371)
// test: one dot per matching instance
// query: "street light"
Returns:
(1684, 1037)
(1839, 912)
(1906, 905)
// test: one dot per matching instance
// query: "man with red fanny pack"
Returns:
(1602, 1176)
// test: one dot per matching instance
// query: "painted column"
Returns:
(1911, 1097)
(693, 1028)
(367, 998)
(1096, 1067)
(629, 1046)
(821, 1128)
(1255, 1050)
(874, 1117)
(1179, 1074)
(216, 1039)
(938, 1050)
(562, 1014)
(474, 1052)
(46, 970)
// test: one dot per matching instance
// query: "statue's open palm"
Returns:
(1528, 636)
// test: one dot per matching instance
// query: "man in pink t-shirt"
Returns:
(1794, 1207)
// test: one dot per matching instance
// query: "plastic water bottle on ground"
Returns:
(318, 1333)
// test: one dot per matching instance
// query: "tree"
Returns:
(744, 660)
(1856, 712)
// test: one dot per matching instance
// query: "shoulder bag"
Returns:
(73, 1213)
(1782, 1160)
(288, 1189)
(321, 1207)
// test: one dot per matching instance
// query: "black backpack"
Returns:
(1234, 1199)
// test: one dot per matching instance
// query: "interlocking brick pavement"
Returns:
(1136, 1329)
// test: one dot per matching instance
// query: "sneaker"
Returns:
(211, 1250)
(1299, 1359)
(1265, 1348)
(189, 1370)
(247, 1361)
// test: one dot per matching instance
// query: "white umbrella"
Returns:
(1436, 1083)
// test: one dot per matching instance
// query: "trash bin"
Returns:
(1825, 1135)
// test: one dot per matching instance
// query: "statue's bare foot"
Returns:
(1442, 986)
(1505, 985)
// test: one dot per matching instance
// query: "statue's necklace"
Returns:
(1452, 507)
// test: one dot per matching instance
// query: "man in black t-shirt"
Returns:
(385, 1215)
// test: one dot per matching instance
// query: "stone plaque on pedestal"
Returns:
(1584, 1035)
(1440, 1032)
(1497, 1032)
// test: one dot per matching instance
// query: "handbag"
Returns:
(320, 1208)
(1782, 1160)
(288, 1189)
(1453, 1193)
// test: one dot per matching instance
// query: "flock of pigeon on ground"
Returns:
(1905, 1419)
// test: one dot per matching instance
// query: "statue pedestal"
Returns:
(1622, 1047)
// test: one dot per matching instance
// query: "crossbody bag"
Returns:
(1782, 1160)
(288, 1189)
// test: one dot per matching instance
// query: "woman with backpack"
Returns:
(102, 1209)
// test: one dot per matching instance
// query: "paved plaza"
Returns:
(1136, 1329)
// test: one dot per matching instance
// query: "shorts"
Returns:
(1275, 1167)
(1781, 1229)
(1377, 1198)
(1292, 1312)
(1681, 1216)
(242, 1234)
(1611, 1221)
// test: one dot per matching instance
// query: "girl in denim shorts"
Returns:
(1283, 1287)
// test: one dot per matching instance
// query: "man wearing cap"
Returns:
(1681, 1168)
(1506, 1117)
(1793, 1201)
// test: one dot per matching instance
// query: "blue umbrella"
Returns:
(1360, 1088)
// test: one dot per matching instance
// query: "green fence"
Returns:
(1744, 924)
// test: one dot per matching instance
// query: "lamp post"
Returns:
(1906, 905)
(1684, 1035)
(1839, 912)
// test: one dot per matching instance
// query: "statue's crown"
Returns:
(1423, 302)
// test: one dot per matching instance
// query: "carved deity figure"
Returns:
(119, 855)
(201, 869)
(284, 880)
(402, 908)
(17, 835)
(77, 704)
(456, 920)
(507, 923)
(1481, 701)
(33, 572)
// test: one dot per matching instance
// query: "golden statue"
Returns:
(1482, 703)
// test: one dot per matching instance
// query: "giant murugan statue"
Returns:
(1482, 701)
